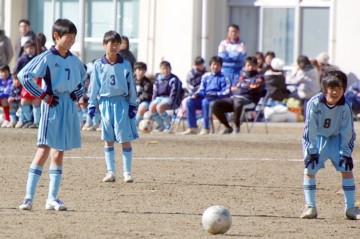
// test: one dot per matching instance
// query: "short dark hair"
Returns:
(4, 67)
(270, 53)
(234, 26)
(333, 77)
(140, 65)
(165, 63)
(29, 43)
(217, 59)
(252, 60)
(63, 26)
(111, 36)
(26, 21)
(303, 61)
(199, 60)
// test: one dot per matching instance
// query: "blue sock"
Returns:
(36, 113)
(33, 178)
(348, 186)
(55, 173)
(97, 119)
(309, 186)
(138, 118)
(110, 158)
(13, 115)
(80, 114)
(127, 158)
(156, 117)
(166, 118)
(26, 109)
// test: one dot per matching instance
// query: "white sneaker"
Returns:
(5, 124)
(110, 177)
(204, 132)
(26, 204)
(189, 131)
(19, 125)
(352, 213)
(309, 212)
(11, 124)
(128, 178)
(55, 204)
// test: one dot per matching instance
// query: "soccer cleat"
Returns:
(109, 177)
(33, 126)
(86, 126)
(309, 212)
(26, 204)
(167, 130)
(190, 131)
(27, 124)
(227, 131)
(128, 178)
(204, 132)
(55, 204)
(159, 129)
(352, 213)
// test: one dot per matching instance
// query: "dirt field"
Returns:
(257, 176)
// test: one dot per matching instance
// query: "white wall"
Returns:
(171, 30)
(347, 38)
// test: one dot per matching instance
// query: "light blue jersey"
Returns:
(112, 86)
(329, 131)
(58, 128)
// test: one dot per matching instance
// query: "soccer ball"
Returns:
(145, 125)
(216, 220)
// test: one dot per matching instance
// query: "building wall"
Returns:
(347, 38)
(172, 31)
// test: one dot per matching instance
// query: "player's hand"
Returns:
(51, 100)
(349, 165)
(73, 96)
(311, 159)
(132, 111)
(91, 112)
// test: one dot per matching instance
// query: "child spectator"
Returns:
(30, 105)
(249, 89)
(214, 86)
(167, 95)
(261, 66)
(144, 87)
(329, 134)
(41, 41)
(59, 128)
(193, 81)
(112, 86)
(5, 85)
(14, 100)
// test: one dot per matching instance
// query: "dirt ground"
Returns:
(257, 176)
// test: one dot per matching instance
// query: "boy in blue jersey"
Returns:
(63, 77)
(112, 86)
(167, 95)
(214, 85)
(329, 134)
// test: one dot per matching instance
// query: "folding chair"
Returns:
(258, 109)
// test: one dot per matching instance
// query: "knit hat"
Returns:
(277, 64)
(323, 58)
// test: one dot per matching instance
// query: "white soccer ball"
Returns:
(216, 220)
(145, 125)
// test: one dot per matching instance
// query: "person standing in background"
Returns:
(25, 34)
(232, 50)
(6, 48)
